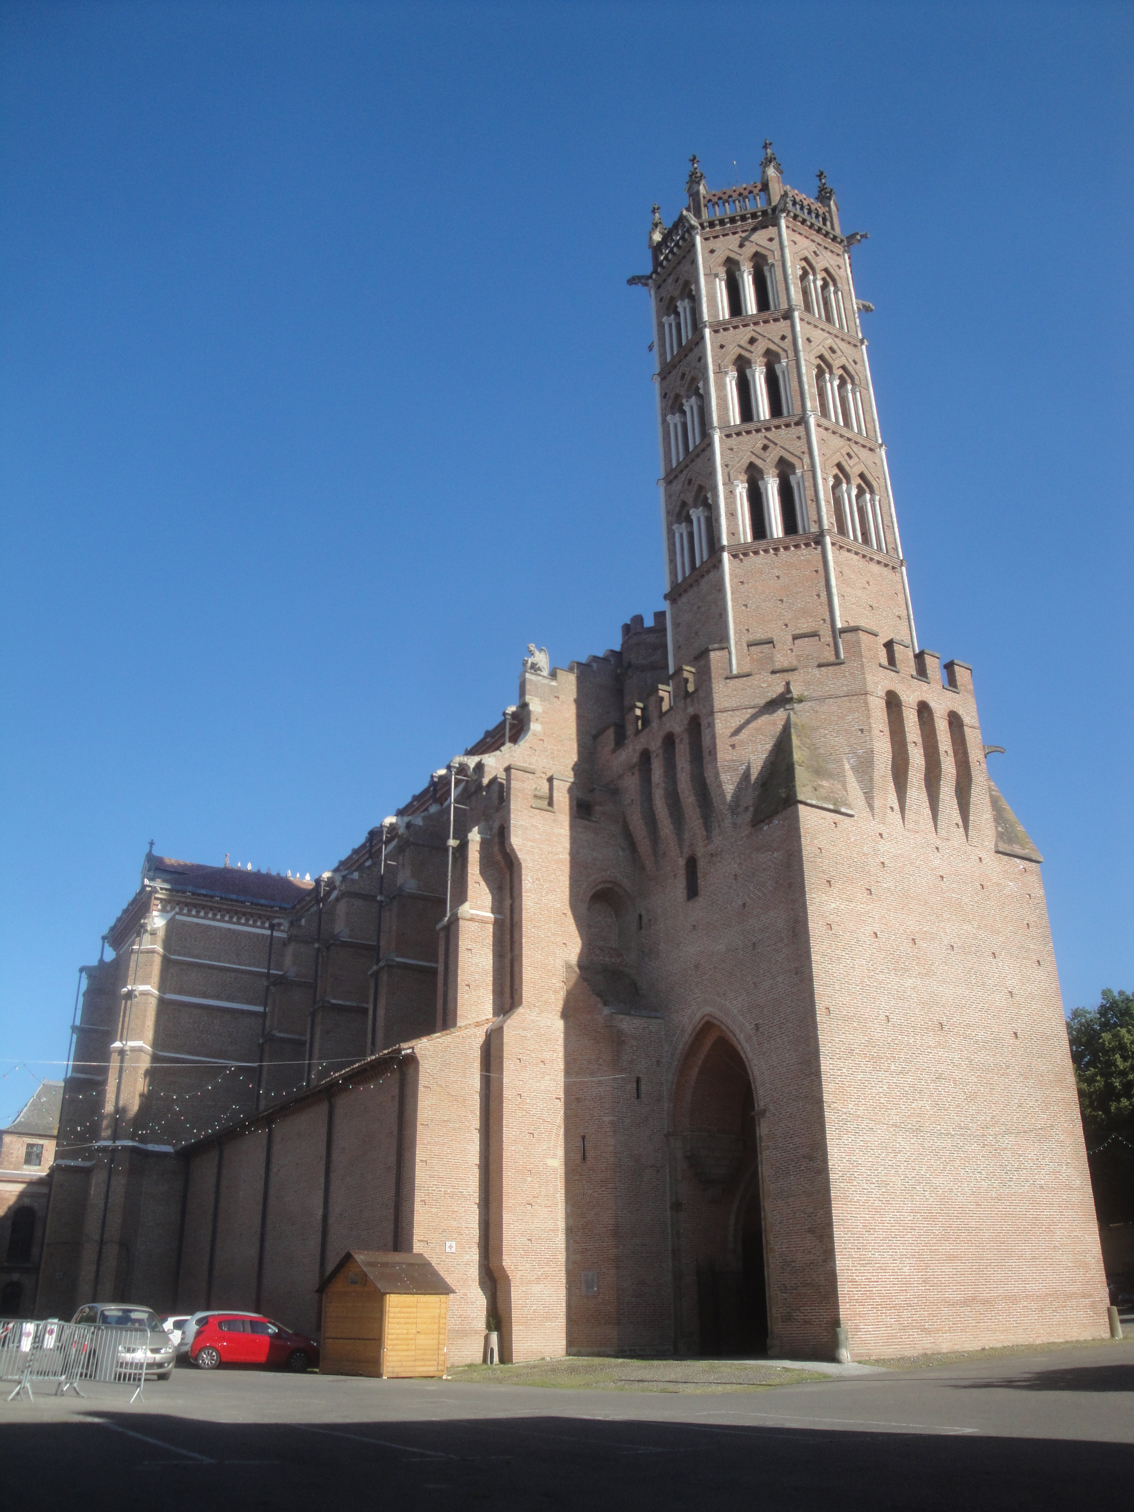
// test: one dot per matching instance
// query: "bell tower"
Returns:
(778, 515)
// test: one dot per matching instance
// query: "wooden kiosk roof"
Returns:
(394, 1272)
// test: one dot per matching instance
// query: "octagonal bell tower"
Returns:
(778, 514)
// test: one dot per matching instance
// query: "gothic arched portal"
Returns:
(722, 1289)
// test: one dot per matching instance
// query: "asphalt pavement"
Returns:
(1050, 1430)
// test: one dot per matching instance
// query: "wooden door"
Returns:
(414, 1343)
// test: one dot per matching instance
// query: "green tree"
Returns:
(1102, 1050)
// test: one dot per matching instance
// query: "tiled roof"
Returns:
(40, 1115)
(229, 882)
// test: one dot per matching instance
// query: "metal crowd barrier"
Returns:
(68, 1353)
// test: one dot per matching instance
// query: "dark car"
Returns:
(159, 1349)
(246, 1339)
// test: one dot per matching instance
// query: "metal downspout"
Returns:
(885, 464)
(264, 1021)
(661, 479)
(812, 440)
(124, 1017)
(714, 436)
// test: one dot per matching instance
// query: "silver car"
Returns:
(159, 1356)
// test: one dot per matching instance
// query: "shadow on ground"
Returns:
(1076, 1378)
(124, 1460)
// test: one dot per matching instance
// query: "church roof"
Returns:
(40, 1114)
(230, 882)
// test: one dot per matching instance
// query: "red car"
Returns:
(243, 1339)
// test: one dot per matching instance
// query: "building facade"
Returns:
(707, 1003)
(27, 1153)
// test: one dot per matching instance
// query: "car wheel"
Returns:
(298, 1359)
(207, 1358)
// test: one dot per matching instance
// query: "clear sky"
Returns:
(323, 393)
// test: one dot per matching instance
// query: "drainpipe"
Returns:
(263, 1217)
(882, 449)
(377, 940)
(315, 976)
(661, 479)
(399, 1150)
(327, 1151)
(213, 1233)
(714, 436)
(264, 1025)
(812, 438)
(75, 1019)
(124, 1018)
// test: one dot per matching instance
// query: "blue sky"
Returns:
(323, 392)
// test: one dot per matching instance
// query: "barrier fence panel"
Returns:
(68, 1353)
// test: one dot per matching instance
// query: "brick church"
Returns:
(706, 1003)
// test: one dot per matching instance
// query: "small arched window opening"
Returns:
(840, 494)
(757, 505)
(809, 284)
(931, 756)
(762, 277)
(732, 291)
(744, 408)
(671, 342)
(772, 374)
(21, 1236)
(864, 518)
(691, 886)
(824, 391)
(789, 510)
(899, 751)
(686, 316)
(963, 787)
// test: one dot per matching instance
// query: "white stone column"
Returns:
(722, 296)
(799, 493)
(860, 416)
(733, 398)
(783, 373)
(773, 523)
(743, 515)
(747, 291)
(773, 285)
(876, 514)
(862, 501)
(758, 383)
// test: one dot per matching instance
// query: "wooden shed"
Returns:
(384, 1314)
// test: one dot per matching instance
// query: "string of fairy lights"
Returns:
(179, 1114)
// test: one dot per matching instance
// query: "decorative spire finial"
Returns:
(695, 175)
(657, 228)
(770, 158)
(825, 191)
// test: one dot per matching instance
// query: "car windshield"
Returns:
(128, 1317)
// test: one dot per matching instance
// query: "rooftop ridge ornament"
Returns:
(770, 159)
(824, 192)
(696, 188)
(657, 228)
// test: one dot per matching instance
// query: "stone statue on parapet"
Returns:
(537, 661)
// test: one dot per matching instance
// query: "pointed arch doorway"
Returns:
(719, 1248)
